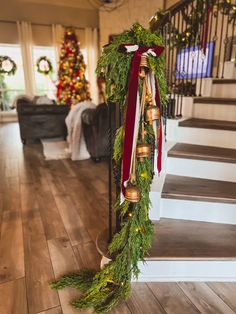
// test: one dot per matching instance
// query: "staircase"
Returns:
(194, 200)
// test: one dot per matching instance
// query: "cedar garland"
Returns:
(106, 288)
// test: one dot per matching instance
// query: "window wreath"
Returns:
(7, 65)
(44, 65)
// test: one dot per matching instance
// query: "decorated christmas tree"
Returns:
(72, 86)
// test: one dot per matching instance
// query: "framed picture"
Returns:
(192, 62)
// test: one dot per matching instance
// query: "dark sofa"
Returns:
(41, 121)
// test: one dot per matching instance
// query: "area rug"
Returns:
(55, 148)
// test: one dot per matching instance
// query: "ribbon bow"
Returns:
(133, 110)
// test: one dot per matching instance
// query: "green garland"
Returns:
(44, 70)
(3, 70)
(106, 288)
(190, 35)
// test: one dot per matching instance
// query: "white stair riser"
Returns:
(223, 90)
(199, 136)
(198, 211)
(202, 169)
(214, 111)
(169, 271)
(209, 137)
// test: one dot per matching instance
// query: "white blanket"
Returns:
(77, 145)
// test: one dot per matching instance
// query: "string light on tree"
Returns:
(72, 87)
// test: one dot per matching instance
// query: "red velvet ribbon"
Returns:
(131, 109)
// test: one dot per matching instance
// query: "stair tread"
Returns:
(215, 100)
(201, 152)
(224, 81)
(192, 240)
(208, 124)
(188, 188)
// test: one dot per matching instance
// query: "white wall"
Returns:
(132, 11)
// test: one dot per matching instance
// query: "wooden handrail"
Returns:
(156, 25)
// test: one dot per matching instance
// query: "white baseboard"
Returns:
(172, 271)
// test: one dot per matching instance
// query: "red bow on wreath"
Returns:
(133, 110)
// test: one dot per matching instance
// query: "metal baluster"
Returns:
(188, 45)
(232, 38)
(118, 180)
(221, 36)
(203, 52)
(209, 40)
(215, 37)
(110, 203)
(225, 43)
(171, 70)
(182, 83)
(168, 66)
(177, 51)
(193, 56)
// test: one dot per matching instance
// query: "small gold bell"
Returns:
(144, 66)
(143, 150)
(152, 113)
(132, 193)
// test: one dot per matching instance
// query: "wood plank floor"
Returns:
(50, 214)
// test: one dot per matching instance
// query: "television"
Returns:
(193, 63)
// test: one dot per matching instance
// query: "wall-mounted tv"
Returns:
(192, 62)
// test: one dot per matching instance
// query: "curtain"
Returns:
(91, 44)
(25, 38)
(57, 37)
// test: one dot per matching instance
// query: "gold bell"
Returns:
(152, 113)
(143, 150)
(132, 193)
(144, 66)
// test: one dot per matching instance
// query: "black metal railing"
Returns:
(211, 30)
(199, 40)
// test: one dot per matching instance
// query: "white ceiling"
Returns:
(82, 4)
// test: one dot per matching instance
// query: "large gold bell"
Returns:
(143, 150)
(132, 193)
(152, 113)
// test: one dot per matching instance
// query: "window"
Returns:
(12, 85)
(45, 84)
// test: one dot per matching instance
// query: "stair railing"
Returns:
(199, 37)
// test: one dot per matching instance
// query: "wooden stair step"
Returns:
(192, 240)
(201, 152)
(214, 100)
(224, 81)
(185, 240)
(197, 189)
(208, 124)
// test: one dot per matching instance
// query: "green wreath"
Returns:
(44, 65)
(7, 65)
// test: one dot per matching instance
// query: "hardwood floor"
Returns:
(50, 214)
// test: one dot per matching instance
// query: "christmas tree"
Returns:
(72, 86)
